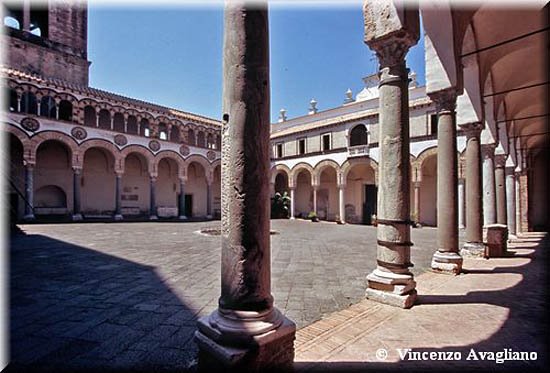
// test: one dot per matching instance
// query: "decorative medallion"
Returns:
(154, 145)
(211, 155)
(79, 133)
(30, 124)
(121, 140)
(184, 150)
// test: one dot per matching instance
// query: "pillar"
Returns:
(246, 332)
(416, 211)
(315, 189)
(474, 213)
(511, 200)
(517, 213)
(500, 185)
(489, 194)
(29, 192)
(118, 196)
(209, 199)
(181, 202)
(461, 205)
(292, 202)
(392, 282)
(341, 204)
(152, 198)
(77, 182)
(446, 259)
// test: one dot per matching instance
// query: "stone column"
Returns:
(461, 205)
(29, 192)
(416, 211)
(315, 189)
(292, 202)
(517, 213)
(77, 182)
(341, 204)
(392, 282)
(500, 185)
(489, 194)
(118, 196)
(209, 199)
(446, 259)
(181, 202)
(246, 332)
(152, 198)
(511, 200)
(474, 214)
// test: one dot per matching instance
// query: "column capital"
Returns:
(119, 173)
(510, 171)
(445, 100)
(391, 51)
(183, 180)
(77, 170)
(500, 160)
(472, 129)
(341, 185)
(153, 178)
(29, 165)
(488, 150)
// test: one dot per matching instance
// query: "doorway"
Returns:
(369, 203)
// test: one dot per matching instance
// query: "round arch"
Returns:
(143, 151)
(103, 144)
(297, 169)
(277, 169)
(67, 140)
(171, 155)
(321, 166)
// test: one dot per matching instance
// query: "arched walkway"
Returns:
(98, 183)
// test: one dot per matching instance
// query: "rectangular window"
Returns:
(279, 150)
(325, 141)
(301, 146)
(433, 124)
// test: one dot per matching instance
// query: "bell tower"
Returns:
(48, 38)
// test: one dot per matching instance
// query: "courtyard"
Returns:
(127, 295)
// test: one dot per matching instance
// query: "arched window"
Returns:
(145, 131)
(201, 140)
(13, 14)
(90, 118)
(131, 125)
(12, 103)
(12, 22)
(47, 107)
(39, 19)
(175, 134)
(28, 103)
(163, 132)
(118, 122)
(65, 110)
(104, 119)
(210, 141)
(358, 136)
(191, 137)
(218, 142)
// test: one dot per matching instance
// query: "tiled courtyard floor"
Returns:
(127, 295)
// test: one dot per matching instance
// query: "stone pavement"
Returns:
(127, 295)
(497, 305)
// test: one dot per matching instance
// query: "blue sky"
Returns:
(173, 56)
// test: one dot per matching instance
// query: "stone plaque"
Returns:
(30, 124)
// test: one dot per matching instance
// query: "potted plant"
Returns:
(313, 216)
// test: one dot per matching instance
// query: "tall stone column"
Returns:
(511, 200)
(152, 198)
(489, 193)
(392, 282)
(461, 205)
(315, 189)
(474, 213)
(77, 182)
(446, 259)
(500, 185)
(292, 202)
(416, 210)
(246, 332)
(342, 203)
(209, 199)
(517, 213)
(118, 196)
(29, 192)
(181, 202)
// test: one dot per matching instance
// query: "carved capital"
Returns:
(391, 51)
(488, 150)
(472, 129)
(500, 160)
(445, 100)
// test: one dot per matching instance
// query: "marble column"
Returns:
(181, 202)
(416, 211)
(77, 182)
(152, 198)
(489, 193)
(118, 196)
(474, 213)
(511, 200)
(341, 204)
(29, 192)
(246, 332)
(446, 259)
(292, 202)
(209, 199)
(392, 282)
(461, 205)
(500, 185)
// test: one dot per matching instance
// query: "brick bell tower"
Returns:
(47, 38)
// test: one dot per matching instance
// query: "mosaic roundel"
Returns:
(30, 124)
(154, 145)
(79, 133)
(121, 140)
(184, 150)
(211, 155)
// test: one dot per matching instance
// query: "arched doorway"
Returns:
(303, 203)
(428, 192)
(167, 188)
(98, 183)
(135, 197)
(327, 194)
(361, 194)
(281, 183)
(195, 199)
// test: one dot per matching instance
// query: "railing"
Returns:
(358, 150)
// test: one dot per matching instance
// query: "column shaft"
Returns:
(517, 213)
(181, 202)
(500, 185)
(511, 200)
(292, 202)
(77, 182)
(461, 205)
(315, 199)
(152, 198)
(118, 197)
(209, 200)
(341, 204)
(416, 211)
(489, 194)
(29, 192)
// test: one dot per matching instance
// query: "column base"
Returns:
(447, 262)
(237, 350)
(394, 289)
(473, 250)
(77, 217)
(29, 217)
(118, 217)
(182, 217)
(292, 218)
(153, 217)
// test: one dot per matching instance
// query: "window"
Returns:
(39, 19)
(358, 135)
(325, 141)
(12, 22)
(65, 110)
(433, 124)
(301, 146)
(279, 150)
